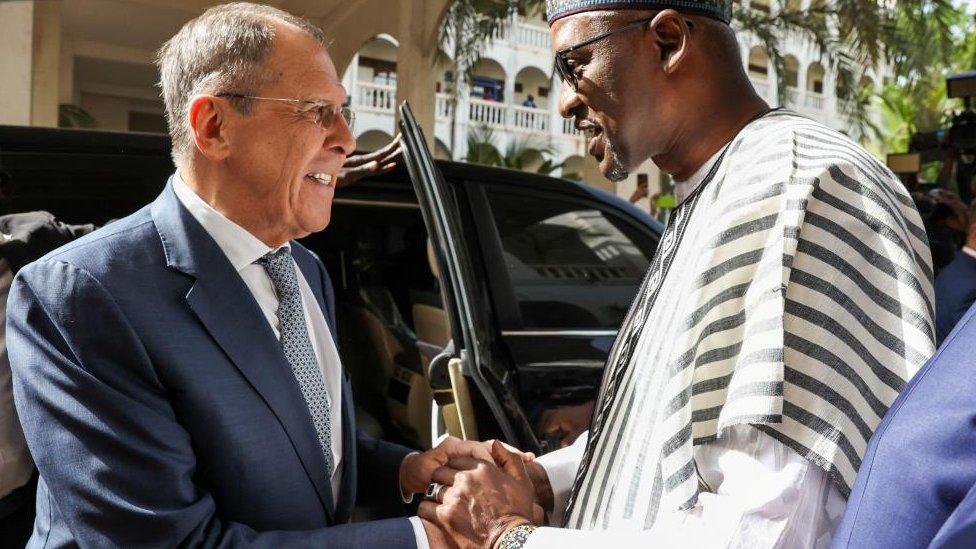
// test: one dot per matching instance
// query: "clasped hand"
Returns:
(486, 489)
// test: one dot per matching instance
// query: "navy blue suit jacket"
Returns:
(955, 292)
(160, 408)
(916, 484)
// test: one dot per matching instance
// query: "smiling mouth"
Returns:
(326, 179)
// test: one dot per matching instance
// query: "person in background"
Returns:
(946, 220)
(955, 287)
(24, 237)
(529, 102)
(641, 190)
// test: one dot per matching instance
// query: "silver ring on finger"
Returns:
(433, 492)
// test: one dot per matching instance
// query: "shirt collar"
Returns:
(683, 189)
(240, 246)
(969, 251)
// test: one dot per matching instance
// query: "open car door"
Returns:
(474, 394)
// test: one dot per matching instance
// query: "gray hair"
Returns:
(221, 51)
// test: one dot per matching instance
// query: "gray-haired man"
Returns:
(175, 372)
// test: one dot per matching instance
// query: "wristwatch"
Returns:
(516, 537)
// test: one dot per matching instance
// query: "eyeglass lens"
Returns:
(327, 115)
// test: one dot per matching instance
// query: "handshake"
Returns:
(475, 492)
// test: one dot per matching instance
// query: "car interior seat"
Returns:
(389, 374)
(429, 318)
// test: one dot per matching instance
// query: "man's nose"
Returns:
(341, 140)
(569, 100)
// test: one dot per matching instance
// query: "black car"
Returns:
(492, 294)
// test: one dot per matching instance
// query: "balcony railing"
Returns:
(793, 96)
(489, 113)
(523, 34)
(376, 97)
(761, 85)
(444, 108)
(532, 36)
(814, 101)
(531, 120)
(381, 98)
(569, 128)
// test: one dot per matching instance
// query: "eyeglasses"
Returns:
(562, 64)
(326, 113)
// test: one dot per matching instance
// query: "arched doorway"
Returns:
(373, 140)
(372, 77)
(441, 151)
(487, 99)
(573, 168)
(758, 63)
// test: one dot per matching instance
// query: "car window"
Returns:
(571, 265)
(83, 187)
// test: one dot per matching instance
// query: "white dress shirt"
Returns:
(764, 495)
(16, 465)
(243, 250)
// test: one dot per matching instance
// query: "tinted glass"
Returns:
(572, 266)
(79, 183)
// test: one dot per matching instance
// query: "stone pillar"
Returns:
(555, 119)
(414, 24)
(461, 121)
(46, 63)
(30, 53)
(16, 22)
(66, 81)
(416, 70)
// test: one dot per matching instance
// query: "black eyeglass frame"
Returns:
(563, 69)
(343, 111)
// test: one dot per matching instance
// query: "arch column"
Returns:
(30, 59)
(414, 25)
(555, 119)
(461, 120)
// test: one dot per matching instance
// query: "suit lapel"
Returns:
(228, 311)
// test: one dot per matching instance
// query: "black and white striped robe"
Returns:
(791, 291)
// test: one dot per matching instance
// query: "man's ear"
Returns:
(208, 126)
(670, 32)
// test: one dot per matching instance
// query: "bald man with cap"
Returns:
(789, 301)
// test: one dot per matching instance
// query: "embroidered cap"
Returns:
(716, 9)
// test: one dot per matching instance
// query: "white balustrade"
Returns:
(489, 113)
(814, 101)
(569, 127)
(793, 96)
(530, 119)
(444, 108)
(761, 85)
(501, 32)
(377, 97)
(532, 36)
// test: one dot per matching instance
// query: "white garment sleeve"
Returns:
(765, 495)
(419, 533)
(561, 467)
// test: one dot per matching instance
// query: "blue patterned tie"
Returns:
(298, 347)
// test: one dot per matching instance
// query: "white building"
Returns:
(98, 55)
(519, 64)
